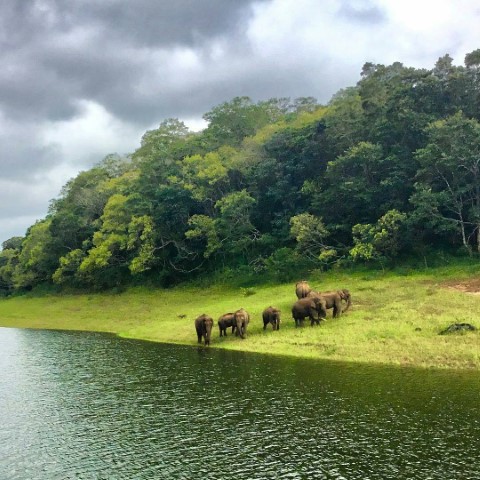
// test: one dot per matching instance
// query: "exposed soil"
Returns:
(468, 286)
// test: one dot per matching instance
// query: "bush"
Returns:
(285, 264)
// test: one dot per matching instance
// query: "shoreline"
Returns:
(394, 320)
(298, 355)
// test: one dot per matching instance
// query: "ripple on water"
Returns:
(90, 406)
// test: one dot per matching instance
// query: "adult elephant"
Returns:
(203, 326)
(225, 321)
(332, 300)
(302, 289)
(311, 307)
(241, 320)
(271, 315)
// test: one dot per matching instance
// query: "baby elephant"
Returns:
(242, 319)
(225, 321)
(271, 315)
(203, 326)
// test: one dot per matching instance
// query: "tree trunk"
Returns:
(478, 238)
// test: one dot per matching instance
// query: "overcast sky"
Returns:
(84, 78)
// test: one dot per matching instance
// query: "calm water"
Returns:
(91, 406)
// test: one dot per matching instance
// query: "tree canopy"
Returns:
(389, 166)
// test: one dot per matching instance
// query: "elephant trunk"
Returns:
(322, 311)
(240, 330)
(208, 333)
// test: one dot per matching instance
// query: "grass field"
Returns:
(395, 318)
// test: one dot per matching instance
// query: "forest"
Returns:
(388, 169)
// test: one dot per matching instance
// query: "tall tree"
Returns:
(36, 261)
(449, 177)
(359, 187)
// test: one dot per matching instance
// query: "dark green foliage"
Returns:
(272, 189)
(13, 243)
(286, 265)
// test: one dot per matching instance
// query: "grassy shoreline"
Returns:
(395, 319)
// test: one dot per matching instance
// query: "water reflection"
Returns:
(92, 406)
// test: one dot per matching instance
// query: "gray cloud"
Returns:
(143, 22)
(84, 78)
(362, 12)
(58, 52)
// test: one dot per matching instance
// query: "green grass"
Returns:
(395, 317)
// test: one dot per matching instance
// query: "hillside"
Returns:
(388, 168)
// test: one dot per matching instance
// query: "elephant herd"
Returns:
(314, 305)
(310, 304)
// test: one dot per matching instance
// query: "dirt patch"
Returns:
(468, 286)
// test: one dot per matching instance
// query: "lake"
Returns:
(77, 405)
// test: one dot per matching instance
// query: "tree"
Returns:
(359, 186)
(9, 254)
(75, 215)
(68, 273)
(204, 176)
(310, 234)
(8, 264)
(344, 121)
(449, 178)
(158, 158)
(14, 243)
(230, 122)
(110, 241)
(230, 232)
(141, 241)
(167, 142)
(36, 262)
(379, 241)
(472, 59)
(444, 66)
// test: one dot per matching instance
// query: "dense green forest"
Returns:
(389, 168)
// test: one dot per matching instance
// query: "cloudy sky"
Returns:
(84, 78)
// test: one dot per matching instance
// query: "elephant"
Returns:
(302, 289)
(312, 307)
(347, 297)
(241, 320)
(332, 299)
(203, 326)
(271, 315)
(225, 321)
